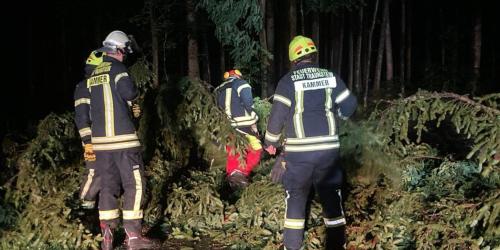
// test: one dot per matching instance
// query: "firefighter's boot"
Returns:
(107, 237)
(135, 241)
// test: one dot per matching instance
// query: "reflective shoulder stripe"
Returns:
(342, 96)
(82, 101)
(85, 132)
(120, 76)
(109, 214)
(282, 99)
(243, 86)
(272, 137)
(314, 147)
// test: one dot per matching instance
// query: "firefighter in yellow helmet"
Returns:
(307, 106)
(90, 186)
(234, 96)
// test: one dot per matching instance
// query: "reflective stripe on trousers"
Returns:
(319, 170)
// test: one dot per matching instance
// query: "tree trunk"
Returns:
(476, 50)
(193, 64)
(205, 55)
(408, 40)
(350, 76)
(292, 19)
(340, 43)
(403, 47)
(222, 60)
(357, 62)
(270, 44)
(388, 48)
(315, 31)
(264, 60)
(154, 44)
(366, 77)
(380, 51)
(302, 19)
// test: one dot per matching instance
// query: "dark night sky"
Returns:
(47, 44)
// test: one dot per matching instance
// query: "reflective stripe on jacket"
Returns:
(307, 103)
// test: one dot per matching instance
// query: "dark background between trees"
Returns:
(381, 48)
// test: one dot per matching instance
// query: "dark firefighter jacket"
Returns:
(307, 104)
(82, 107)
(234, 96)
(102, 107)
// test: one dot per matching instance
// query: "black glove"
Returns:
(278, 170)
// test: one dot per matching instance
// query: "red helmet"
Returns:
(234, 73)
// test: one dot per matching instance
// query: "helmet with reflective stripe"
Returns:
(117, 40)
(95, 58)
(232, 73)
(299, 47)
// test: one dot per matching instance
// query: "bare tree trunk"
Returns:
(388, 48)
(222, 60)
(408, 40)
(350, 77)
(366, 77)
(302, 18)
(315, 30)
(205, 55)
(380, 51)
(193, 64)
(403, 47)
(292, 18)
(270, 44)
(340, 44)
(264, 60)
(359, 44)
(154, 44)
(476, 50)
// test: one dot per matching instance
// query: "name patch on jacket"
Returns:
(98, 80)
(321, 83)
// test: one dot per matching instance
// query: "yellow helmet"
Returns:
(95, 58)
(299, 47)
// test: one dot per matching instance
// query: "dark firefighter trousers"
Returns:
(121, 169)
(318, 169)
(90, 186)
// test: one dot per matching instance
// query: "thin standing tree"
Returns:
(193, 64)
(366, 74)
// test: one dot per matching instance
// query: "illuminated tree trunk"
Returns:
(389, 67)
(476, 50)
(357, 61)
(380, 52)
(366, 77)
(193, 64)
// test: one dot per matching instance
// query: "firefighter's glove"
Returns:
(271, 149)
(254, 129)
(88, 153)
(278, 170)
(136, 110)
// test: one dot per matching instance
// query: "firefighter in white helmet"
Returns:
(116, 145)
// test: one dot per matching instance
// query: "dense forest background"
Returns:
(379, 47)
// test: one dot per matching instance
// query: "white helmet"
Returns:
(117, 40)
